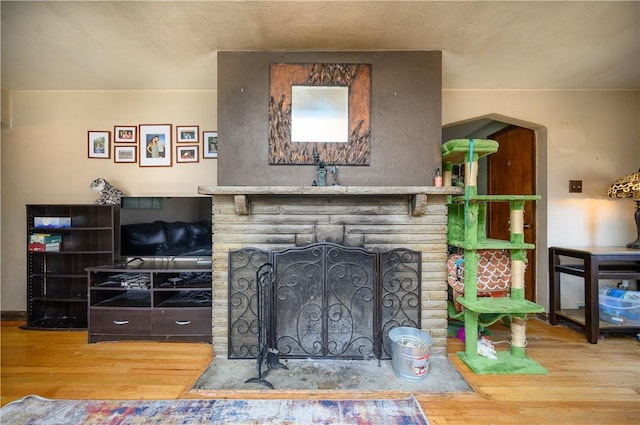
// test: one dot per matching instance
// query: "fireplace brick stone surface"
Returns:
(275, 222)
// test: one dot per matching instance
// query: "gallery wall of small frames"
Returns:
(153, 145)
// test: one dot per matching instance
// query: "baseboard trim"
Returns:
(13, 316)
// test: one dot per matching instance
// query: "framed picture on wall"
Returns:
(155, 145)
(125, 134)
(209, 144)
(187, 153)
(187, 133)
(125, 154)
(99, 144)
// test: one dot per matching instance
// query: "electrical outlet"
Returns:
(575, 186)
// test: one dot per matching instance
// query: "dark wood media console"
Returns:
(160, 301)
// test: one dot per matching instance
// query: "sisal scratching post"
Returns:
(447, 174)
(518, 268)
(517, 221)
(518, 337)
(471, 173)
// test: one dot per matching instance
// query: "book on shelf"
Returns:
(44, 242)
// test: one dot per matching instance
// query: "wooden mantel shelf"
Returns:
(329, 190)
(418, 194)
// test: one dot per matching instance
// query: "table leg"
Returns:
(554, 287)
(592, 310)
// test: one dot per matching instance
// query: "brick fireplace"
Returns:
(375, 218)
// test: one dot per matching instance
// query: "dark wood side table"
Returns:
(591, 263)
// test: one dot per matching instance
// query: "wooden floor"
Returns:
(586, 384)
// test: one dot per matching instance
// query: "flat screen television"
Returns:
(166, 227)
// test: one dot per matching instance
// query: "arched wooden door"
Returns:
(512, 170)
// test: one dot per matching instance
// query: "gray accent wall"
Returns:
(406, 119)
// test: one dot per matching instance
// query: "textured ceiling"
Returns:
(165, 45)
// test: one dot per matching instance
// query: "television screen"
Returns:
(165, 227)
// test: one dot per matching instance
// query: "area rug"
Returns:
(37, 410)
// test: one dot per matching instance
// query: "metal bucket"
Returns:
(410, 350)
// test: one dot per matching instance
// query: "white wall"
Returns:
(589, 135)
(593, 136)
(44, 158)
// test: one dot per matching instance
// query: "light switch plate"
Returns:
(575, 186)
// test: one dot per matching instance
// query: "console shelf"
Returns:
(501, 305)
(162, 301)
(489, 244)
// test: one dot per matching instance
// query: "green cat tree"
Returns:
(467, 231)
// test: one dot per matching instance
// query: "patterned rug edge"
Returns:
(40, 410)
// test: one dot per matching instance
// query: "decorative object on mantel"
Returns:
(321, 171)
(629, 187)
(109, 195)
(209, 144)
(284, 77)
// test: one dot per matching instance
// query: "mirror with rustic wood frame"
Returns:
(356, 77)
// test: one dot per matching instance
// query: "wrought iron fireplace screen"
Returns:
(328, 300)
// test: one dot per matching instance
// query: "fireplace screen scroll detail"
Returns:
(329, 301)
